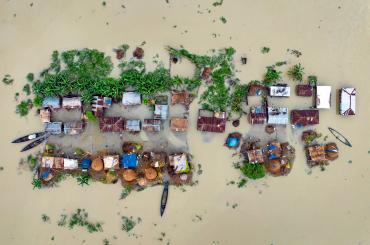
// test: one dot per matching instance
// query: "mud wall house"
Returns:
(258, 115)
(45, 115)
(180, 97)
(131, 98)
(132, 125)
(111, 124)
(152, 125)
(54, 128)
(71, 102)
(211, 122)
(280, 91)
(347, 101)
(100, 103)
(51, 102)
(179, 124)
(305, 90)
(73, 128)
(323, 97)
(161, 112)
(301, 118)
(277, 115)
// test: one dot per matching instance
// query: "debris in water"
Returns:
(236, 123)
(294, 52)
(265, 50)
(138, 53)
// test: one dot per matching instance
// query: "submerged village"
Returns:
(132, 129)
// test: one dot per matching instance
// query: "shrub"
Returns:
(253, 171)
(296, 72)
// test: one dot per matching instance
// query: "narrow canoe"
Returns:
(34, 144)
(29, 137)
(339, 137)
(164, 197)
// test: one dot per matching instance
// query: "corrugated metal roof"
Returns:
(323, 97)
(71, 102)
(347, 101)
(277, 115)
(133, 125)
(280, 91)
(161, 112)
(53, 102)
(53, 127)
(131, 98)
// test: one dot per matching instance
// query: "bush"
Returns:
(296, 72)
(253, 170)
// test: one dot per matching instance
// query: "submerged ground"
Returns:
(330, 207)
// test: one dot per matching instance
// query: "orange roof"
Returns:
(179, 124)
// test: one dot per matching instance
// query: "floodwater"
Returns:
(329, 207)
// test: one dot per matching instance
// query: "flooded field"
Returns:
(306, 207)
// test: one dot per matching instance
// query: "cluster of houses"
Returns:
(51, 104)
(132, 167)
(277, 157)
(154, 124)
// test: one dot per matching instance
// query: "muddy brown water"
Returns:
(330, 207)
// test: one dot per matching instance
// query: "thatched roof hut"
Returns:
(331, 151)
(274, 167)
(150, 173)
(129, 175)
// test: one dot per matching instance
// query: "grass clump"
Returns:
(83, 179)
(30, 77)
(63, 220)
(23, 108)
(128, 223)
(272, 75)
(223, 20)
(7, 80)
(237, 97)
(45, 218)
(265, 50)
(312, 80)
(80, 218)
(253, 171)
(218, 3)
(27, 89)
(36, 183)
(296, 72)
(125, 192)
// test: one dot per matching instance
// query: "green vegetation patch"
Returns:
(128, 223)
(296, 72)
(218, 3)
(80, 218)
(272, 75)
(223, 20)
(265, 50)
(7, 80)
(253, 171)
(24, 107)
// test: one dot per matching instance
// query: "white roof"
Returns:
(73, 102)
(70, 163)
(280, 91)
(179, 162)
(277, 115)
(347, 101)
(131, 98)
(110, 161)
(161, 111)
(323, 97)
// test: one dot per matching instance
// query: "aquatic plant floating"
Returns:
(339, 137)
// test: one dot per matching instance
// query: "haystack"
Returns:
(150, 173)
(129, 175)
(97, 164)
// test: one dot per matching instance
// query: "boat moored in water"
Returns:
(164, 197)
(34, 143)
(29, 137)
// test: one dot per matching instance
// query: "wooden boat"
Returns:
(339, 137)
(29, 137)
(164, 197)
(34, 143)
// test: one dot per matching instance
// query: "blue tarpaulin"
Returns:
(129, 161)
(271, 147)
(232, 142)
(86, 163)
(272, 156)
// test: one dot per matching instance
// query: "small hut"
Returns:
(179, 124)
(180, 97)
(150, 173)
(45, 115)
(274, 167)
(152, 125)
(257, 90)
(323, 97)
(73, 128)
(97, 164)
(100, 103)
(47, 162)
(179, 162)
(277, 115)
(214, 122)
(54, 128)
(70, 164)
(281, 90)
(305, 90)
(111, 162)
(161, 112)
(51, 102)
(71, 102)
(347, 97)
(131, 98)
(132, 125)
(111, 124)
(301, 118)
(331, 151)
(129, 160)
(258, 115)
